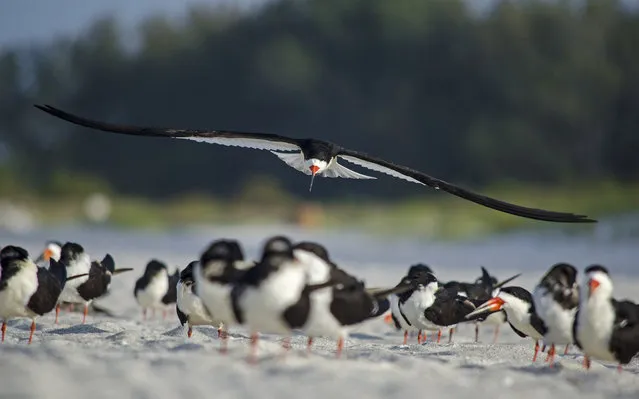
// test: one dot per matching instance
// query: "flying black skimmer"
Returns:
(189, 308)
(220, 268)
(52, 250)
(98, 282)
(518, 305)
(556, 298)
(77, 262)
(605, 329)
(341, 305)
(317, 157)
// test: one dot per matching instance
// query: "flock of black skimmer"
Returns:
(295, 287)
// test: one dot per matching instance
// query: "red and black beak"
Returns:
(314, 169)
(491, 306)
(592, 286)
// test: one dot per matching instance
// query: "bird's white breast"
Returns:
(594, 328)
(558, 321)
(191, 305)
(394, 305)
(151, 295)
(415, 306)
(263, 305)
(69, 292)
(15, 296)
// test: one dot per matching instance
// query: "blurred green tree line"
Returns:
(530, 91)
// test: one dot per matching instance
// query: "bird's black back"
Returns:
(46, 296)
(624, 342)
(97, 283)
(561, 282)
(318, 149)
(171, 293)
(59, 271)
(448, 308)
(150, 271)
(181, 316)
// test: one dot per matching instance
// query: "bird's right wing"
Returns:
(259, 141)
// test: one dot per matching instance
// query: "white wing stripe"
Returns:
(295, 160)
(379, 168)
(257, 144)
(336, 170)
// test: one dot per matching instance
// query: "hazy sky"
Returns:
(36, 20)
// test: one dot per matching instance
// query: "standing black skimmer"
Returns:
(407, 307)
(189, 307)
(518, 304)
(98, 283)
(221, 266)
(483, 289)
(274, 295)
(556, 298)
(605, 329)
(336, 308)
(52, 250)
(318, 157)
(152, 287)
(18, 283)
(77, 262)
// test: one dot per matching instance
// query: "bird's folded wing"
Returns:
(259, 141)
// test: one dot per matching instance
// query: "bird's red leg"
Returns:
(225, 340)
(439, 335)
(144, 314)
(620, 368)
(309, 344)
(70, 307)
(536, 351)
(32, 331)
(86, 311)
(586, 362)
(566, 350)
(163, 314)
(476, 332)
(57, 313)
(340, 346)
(496, 334)
(253, 358)
(4, 329)
(551, 355)
(450, 335)
(419, 337)
(405, 337)
(286, 344)
(190, 332)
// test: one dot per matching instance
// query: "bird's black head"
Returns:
(155, 266)
(486, 279)
(418, 269)
(226, 250)
(53, 242)
(318, 249)
(277, 250)
(561, 281)
(186, 275)
(10, 254)
(70, 252)
(596, 268)
(423, 279)
(518, 292)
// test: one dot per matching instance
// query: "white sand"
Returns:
(127, 358)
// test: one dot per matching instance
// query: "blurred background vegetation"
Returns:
(535, 102)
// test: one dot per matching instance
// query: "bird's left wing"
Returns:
(258, 141)
(412, 175)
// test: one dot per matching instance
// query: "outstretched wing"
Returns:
(258, 141)
(405, 173)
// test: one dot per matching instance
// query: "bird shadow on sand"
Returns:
(186, 347)
(79, 329)
(24, 325)
(366, 337)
